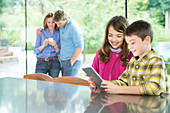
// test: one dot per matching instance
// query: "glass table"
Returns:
(19, 95)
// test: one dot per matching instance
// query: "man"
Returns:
(71, 38)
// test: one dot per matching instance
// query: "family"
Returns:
(125, 60)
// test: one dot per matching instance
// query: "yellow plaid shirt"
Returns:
(149, 73)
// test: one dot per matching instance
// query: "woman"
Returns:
(47, 48)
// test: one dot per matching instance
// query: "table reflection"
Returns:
(58, 95)
(33, 96)
(108, 103)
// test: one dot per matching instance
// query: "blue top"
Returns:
(71, 38)
(49, 50)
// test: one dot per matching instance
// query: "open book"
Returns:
(65, 79)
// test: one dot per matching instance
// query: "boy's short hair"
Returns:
(60, 15)
(141, 29)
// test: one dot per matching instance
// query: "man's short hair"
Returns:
(60, 15)
(141, 29)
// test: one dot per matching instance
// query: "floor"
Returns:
(18, 68)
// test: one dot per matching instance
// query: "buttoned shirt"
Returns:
(49, 50)
(148, 72)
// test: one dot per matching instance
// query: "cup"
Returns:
(50, 39)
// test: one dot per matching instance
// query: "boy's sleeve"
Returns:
(123, 79)
(155, 84)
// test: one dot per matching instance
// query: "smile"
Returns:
(115, 43)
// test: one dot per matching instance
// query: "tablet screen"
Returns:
(94, 76)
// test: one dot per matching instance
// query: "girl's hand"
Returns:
(93, 87)
(93, 96)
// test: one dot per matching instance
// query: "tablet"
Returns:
(94, 76)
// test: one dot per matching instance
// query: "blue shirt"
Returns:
(71, 38)
(49, 50)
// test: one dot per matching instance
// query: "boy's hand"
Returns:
(93, 87)
(110, 87)
(38, 32)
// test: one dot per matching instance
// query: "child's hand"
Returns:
(93, 96)
(93, 87)
(38, 32)
(110, 87)
(109, 99)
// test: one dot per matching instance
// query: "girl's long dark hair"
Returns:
(120, 24)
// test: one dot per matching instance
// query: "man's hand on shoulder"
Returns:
(38, 32)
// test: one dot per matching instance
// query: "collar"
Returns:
(48, 31)
(146, 57)
(69, 21)
(117, 50)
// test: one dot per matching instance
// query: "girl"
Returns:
(112, 57)
(47, 48)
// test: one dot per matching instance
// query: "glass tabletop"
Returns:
(19, 95)
(34, 96)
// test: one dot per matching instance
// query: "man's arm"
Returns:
(38, 32)
(77, 35)
(76, 55)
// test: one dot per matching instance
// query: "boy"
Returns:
(146, 72)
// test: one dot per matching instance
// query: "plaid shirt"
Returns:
(149, 104)
(149, 73)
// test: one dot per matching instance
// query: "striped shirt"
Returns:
(149, 73)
